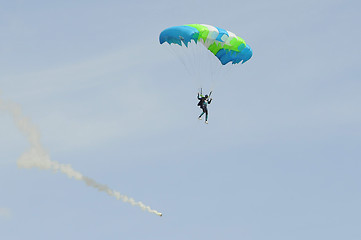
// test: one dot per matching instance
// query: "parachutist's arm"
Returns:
(209, 101)
(199, 97)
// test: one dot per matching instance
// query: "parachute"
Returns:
(224, 45)
(208, 53)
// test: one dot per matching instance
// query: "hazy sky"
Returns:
(279, 160)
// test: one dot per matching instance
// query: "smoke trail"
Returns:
(38, 157)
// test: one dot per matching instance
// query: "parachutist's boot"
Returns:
(206, 122)
(200, 118)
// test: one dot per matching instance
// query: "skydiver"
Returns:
(203, 102)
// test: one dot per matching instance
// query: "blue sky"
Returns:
(280, 158)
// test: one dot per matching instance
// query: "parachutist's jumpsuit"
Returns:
(203, 102)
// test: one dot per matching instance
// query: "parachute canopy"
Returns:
(225, 45)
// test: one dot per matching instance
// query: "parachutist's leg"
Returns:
(201, 115)
(206, 111)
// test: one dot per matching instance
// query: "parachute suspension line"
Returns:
(213, 65)
(188, 52)
(182, 55)
(194, 62)
(198, 62)
(216, 74)
(224, 72)
(188, 59)
(205, 60)
(173, 50)
(191, 61)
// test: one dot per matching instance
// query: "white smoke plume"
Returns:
(38, 157)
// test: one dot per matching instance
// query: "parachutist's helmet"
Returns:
(206, 96)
